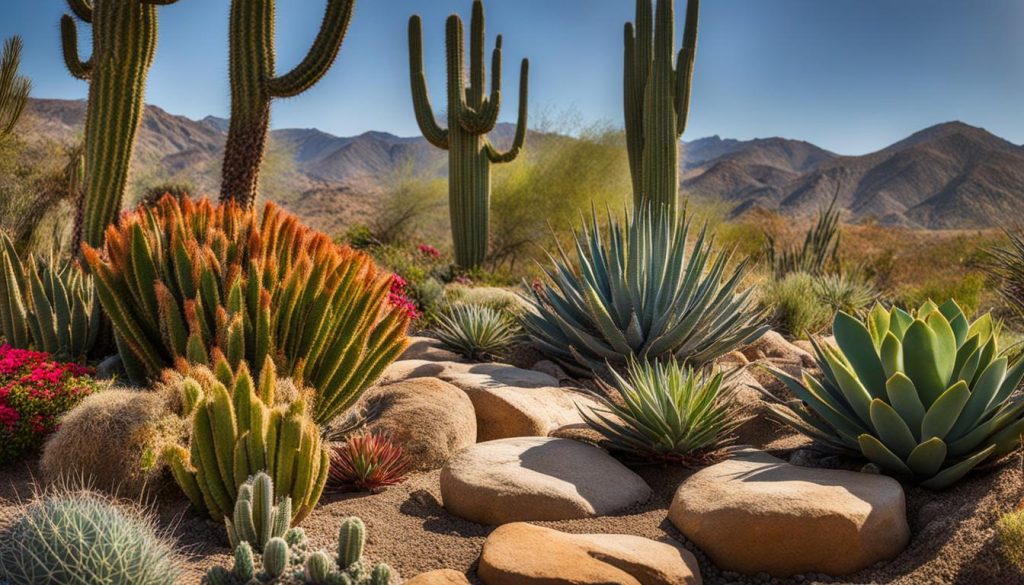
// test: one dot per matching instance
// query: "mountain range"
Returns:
(949, 176)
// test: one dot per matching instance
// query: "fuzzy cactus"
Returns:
(237, 431)
(657, 99)
(254, 83)
(472, 114)
(124, 36)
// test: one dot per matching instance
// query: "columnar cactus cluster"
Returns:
(239, 430)
(657, 99)
(124, 36)
(254, 83)
(256, 518)
(472, 114)
(184, 278)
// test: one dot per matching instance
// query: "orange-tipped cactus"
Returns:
(183, 278)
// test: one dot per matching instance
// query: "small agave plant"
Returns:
(925, 395)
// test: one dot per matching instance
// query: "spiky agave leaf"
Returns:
(475, 331)
(367, 461)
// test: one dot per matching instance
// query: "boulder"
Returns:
(429, 349)
(439, 577)
(774, 347)
(408, 369)
(430, 419)
(552, 369)
(524, 554)
(755, 513)
(537, 478)
(463, 375)
(505, 411)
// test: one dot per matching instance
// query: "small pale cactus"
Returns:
(318, 567)
(275, 557)
(351, 538)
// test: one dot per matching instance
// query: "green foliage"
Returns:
(928, 395)
(657, 100)
(68, 538)
(475, 331)
(492, 297)
(38, 184)
(1010, 535)
(238, 431)
(1005, 263)
(257, 517)
(967, 291)
(667, 412)
(288, 561)
(640, 293)
(255, 83)
(14, 88)
(819, 253)
(411, 197)
(845, 291)
(472, 114)
(124, 37)
(794, 305)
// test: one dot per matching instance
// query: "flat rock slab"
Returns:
(756, 513)
(439, 577)
(506, 411)
(472, 376)
(429, 349)
(524, 554)
(430, 419)
(537, 478)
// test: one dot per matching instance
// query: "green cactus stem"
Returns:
(657, 99)
(471, 116)
(254, 83)
(124, 38)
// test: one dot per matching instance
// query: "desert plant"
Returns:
(14, 88)
(48, 304)
(471, 115)
(81, 538)
(255, 83)
(1010, 535)
(257, 517)
(492, 297)
(926, 395)
(287, 561)
(367, 462)
(846, 291)
(639, 293)
(185, 278)
(794, 306)
(819, 253)
(124, 38)
(1005, 264)
(657, 100)
(237, 431)
(667, 412)
(475, 331)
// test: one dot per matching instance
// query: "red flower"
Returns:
(429, 251)
(398, 297)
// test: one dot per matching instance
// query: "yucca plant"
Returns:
(48, 304)
(642, 292)
(927, 395)
(475, 331)
(819, 253)
(238, 430)
(367, 462)
(668, 412)
(184, 278)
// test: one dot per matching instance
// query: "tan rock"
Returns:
(439, 577)
(552, 369)
(537, 478)
(755, 513)
(408, 369)
(506, 411)
(774, 347)
(524, 554)
(430, 349)
(465, 375)
(428, 418)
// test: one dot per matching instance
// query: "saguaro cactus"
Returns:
(123, 45)
(254, 83)
(471, 116)
(657, 99)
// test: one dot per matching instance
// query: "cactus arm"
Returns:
(434, 134)
(320, 56)
(520, 139)
(455, 58)
(487, 116)
(82, 9)
(634, 109)
(684, 66)
(69, 41)
(477, 72)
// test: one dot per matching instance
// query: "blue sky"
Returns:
(848, 75)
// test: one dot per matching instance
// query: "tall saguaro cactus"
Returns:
(254, 83)
(471, 116)
(657, 99)
(124, 39)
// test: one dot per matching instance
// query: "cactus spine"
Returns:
(471, 116)
(254, 83)
(657, 99)
(123, 45)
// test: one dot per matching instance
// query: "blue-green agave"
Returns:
(642, 292)
(925, 395)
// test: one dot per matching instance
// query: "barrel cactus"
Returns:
(926, 395)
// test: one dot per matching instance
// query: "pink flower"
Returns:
(8, 416)
(398, 298)
(429, 251)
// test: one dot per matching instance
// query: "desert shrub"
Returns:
(367, 462)
(185, 279)
(794, 305)
(424, 270)
(475, 331)
(492, 297)
(968, 291)
(35, 391)
(82, 538)
(1010, 535)
(289, 560)
(925, 395)
(411, 201)
(819, 253)
(35, 180)
(845, 291)
(642, 292)
(113, 441)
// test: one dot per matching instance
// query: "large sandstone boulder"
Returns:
(773, 346)
(489, 375)
(755, 513)
(439, 577)
(429, 349)
(506, 411)
(428, 418)
(537, 478)
(524, 554)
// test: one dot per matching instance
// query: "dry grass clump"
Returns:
(1010, 533)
